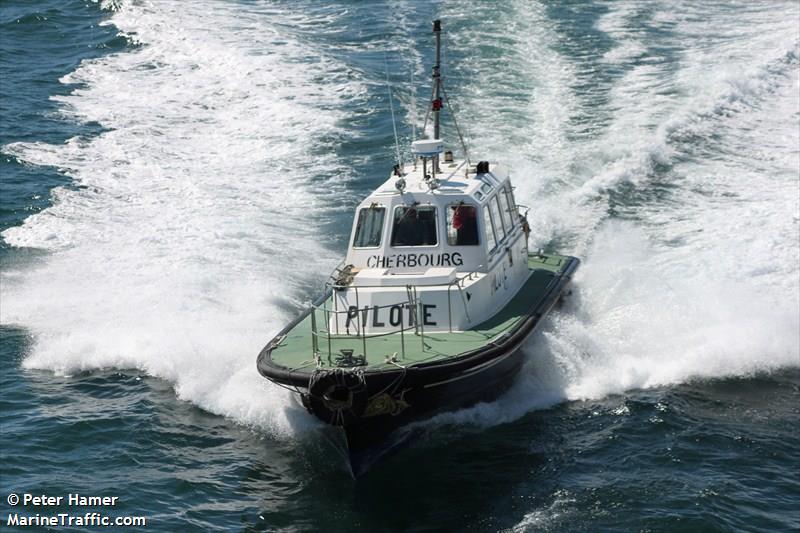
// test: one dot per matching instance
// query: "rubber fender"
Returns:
(338, 397)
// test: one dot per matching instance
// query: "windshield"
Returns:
(414, 226)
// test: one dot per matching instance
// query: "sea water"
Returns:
(178, 179)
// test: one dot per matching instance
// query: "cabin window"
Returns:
(511, 202)
(488, 228)
(508, 217)
(414, 226)
(462, 224)
(369, 227)
(486, 188)
(499, 229)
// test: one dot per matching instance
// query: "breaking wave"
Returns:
(685, 205)
(662, 153)
(180, 247)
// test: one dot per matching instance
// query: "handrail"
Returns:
(401, 302)
(412, 299)
(413, 303)
(467, 275)
(360, 330)
(458, 283)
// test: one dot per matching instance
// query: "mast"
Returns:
(437, 85)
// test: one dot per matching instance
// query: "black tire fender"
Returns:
(338, 397)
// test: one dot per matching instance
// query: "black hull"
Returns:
(377, 437)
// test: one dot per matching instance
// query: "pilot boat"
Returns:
(430, 307)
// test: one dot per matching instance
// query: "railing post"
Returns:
(412, 308)
(314, 340)
(402, 341)
(360, 323)
(464, 301)
(328, 324)
(421, 324)
(364, 336)
(449, 310)
(335, 312)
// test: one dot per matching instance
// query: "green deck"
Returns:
(295, 350)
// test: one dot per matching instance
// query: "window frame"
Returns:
(435, 225)
(504, 203)
(494, 201)
(512, 201)
(383, 227)
(489, 226)
(460, 203)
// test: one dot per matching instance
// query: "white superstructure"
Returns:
(440, 246)
(441, 251)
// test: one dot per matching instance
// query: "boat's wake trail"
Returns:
(674, 176)
(192, 217)
(670, 171)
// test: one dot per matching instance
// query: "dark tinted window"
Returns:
(414, 226)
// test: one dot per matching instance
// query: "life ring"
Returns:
(338, 397)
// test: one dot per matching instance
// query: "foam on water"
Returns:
(697, 275)
(548, 518)
(191, 222)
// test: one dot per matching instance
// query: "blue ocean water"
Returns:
(176, 181)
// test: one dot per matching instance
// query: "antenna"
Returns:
(394, 122)
(436, 105)
(413, 108)
(455, 123)
(437, 91)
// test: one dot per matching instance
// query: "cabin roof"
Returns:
(453, 180)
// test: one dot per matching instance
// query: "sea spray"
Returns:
(190, 218)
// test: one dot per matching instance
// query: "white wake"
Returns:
(192, 220)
